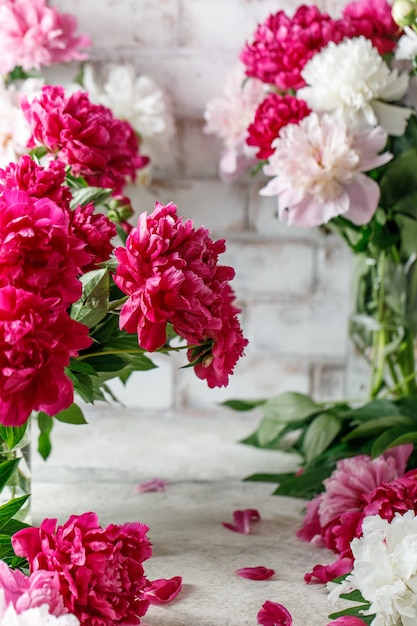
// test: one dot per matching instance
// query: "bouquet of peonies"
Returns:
(323, 107)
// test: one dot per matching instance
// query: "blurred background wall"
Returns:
(292, 284)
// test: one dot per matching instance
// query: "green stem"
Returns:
(378, 362)
(163, 350)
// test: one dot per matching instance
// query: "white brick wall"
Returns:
(292, 284)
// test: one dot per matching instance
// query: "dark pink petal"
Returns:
(243, 521)
(255, 573)
(163, 590)
(274, 614)
(326, 573)
(154, 484)
(347, 620)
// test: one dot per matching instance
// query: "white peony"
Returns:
(385, 569)
(407, 45)
(351, 81)
(15, 131)
(136, 99)
(37, 616)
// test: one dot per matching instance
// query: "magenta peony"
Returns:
(39, 253)
(38, 181)
(86, 136)
(37, 338)
(373, 20)
(96, 230)
(171, 274)
(33, 34)
(283, 45)
(274, 113)
(100, 570)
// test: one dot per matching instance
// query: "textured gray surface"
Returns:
(97, 467)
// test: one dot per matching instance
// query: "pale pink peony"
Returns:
(100, 570)
(39, 253)
(97, 231)
(38, 181)
(274, 614)
(229, 117)
(171, 274)
(274, 113)
(372, 19)
(86, 136)
(25, 592)
(282, 45)
(38, 337)
(33, 34)
(317, 171)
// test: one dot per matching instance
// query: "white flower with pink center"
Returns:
(317, 171)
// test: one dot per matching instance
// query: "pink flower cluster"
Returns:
(44, 248)
(282, 45)
(359, 486)
(171, 274)
(33, 34)
(99, 147)
(99, 570)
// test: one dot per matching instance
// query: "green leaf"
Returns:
(371, 410)
(319, 435)
(408, 232)
(82, 367)
(93, 305)
(89, 194)
(303, 485)
(393, 437)
(72, 415)
(7, 469)
(83, 385)
(375, 426)
(266, 478)
(268, 431)
(399, 179)
(106, 362)
(290, 407)
(45, 424)
(243, 405)
(8, 510)
(11, 435)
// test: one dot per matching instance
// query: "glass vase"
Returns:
(383, 324)
(15, 459)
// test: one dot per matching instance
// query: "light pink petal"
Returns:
(400, 454)
(363, 195)
(255, 573)
(154, 484)
(326, 573)
(163, 590)
(274, 614)
(242, 521)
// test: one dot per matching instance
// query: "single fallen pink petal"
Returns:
(154, 484)
(274, 614)
(326, 573)
(162, 590)
(243, 521)
(255, 573)
(347, 620)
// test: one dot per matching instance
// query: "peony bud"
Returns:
(404, 12)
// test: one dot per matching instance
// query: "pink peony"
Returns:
(100, 570)
(38, 252)
(33, 34)
(38, 181)
(37, 338)
(347, 620)
(317, 171)
(25, 592)
(171, 274)
(274, 113)
(96, 230)
(282, 45)
(274, 614)
(86, 136)
(372, 19)
(358, 487)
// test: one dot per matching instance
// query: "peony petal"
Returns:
(242, 521)
(154, 484)
(326, 573)
(347, 620)
(274, 614)
(255, 573)
(163, 590)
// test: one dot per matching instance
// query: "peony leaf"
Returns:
(290, 407)
(85, 195)
(243, 405)
(376, 426)
(8, 510)
(393, 437)
(7, 468)
(93, 305)
(72, 415)
(11, 435)
(319, 435)
(268, 431)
